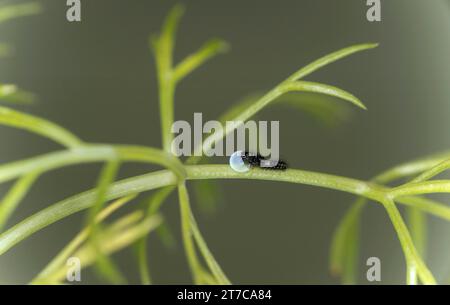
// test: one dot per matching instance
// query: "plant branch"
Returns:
(163, 178)
(414, 262)
(166, 178)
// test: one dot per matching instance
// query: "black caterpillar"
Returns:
(256, 160)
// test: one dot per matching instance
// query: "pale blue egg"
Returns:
(237, 164)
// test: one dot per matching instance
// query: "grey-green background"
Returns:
(97, 78)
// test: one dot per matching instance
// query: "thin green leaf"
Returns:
(14, 196)
(111, 240)
(151, 155)
(208, 279)
(166, 178)
(39, 126)
(342, 248)
(289, 85)
(190, 225)
(186, 232)
(166, 235)
(412, 168)
(13, 11)
(153, 206)
(163, 51)
(78, 240)
(426, 205)
(193, 61)
(215, 268)
(432, 172)
(330, 58)
(349, 275)
(107, 176)
(325, 110)
(345, 244)
(154, 203)
(320, 107)
(414, 262)
(79, 203)
(166, 40)
(89, 154)
(303, 86)
(105, 267)
(417, 223)
(431, 164)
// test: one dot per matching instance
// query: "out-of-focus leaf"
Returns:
(345, 244)
(153, 205)
(14, 196)
(77, 241)
(208, 194)
(322, 108)
(14, 118)
(11, 94)
(111, 240)
(13, 11)
(5, 50)
(105, 267)
(291, 84)
(417, 221)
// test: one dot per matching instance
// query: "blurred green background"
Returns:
(97, 78)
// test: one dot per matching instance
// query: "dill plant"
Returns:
(98, 239)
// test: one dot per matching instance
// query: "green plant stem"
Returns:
(414, 262)
(341, 248)
(89, 154)
(81, 202)
(162, 46)
(220, 277)
(191, 255)
(163, 178)
(166, 178)
(421, 188)
(166, 97)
